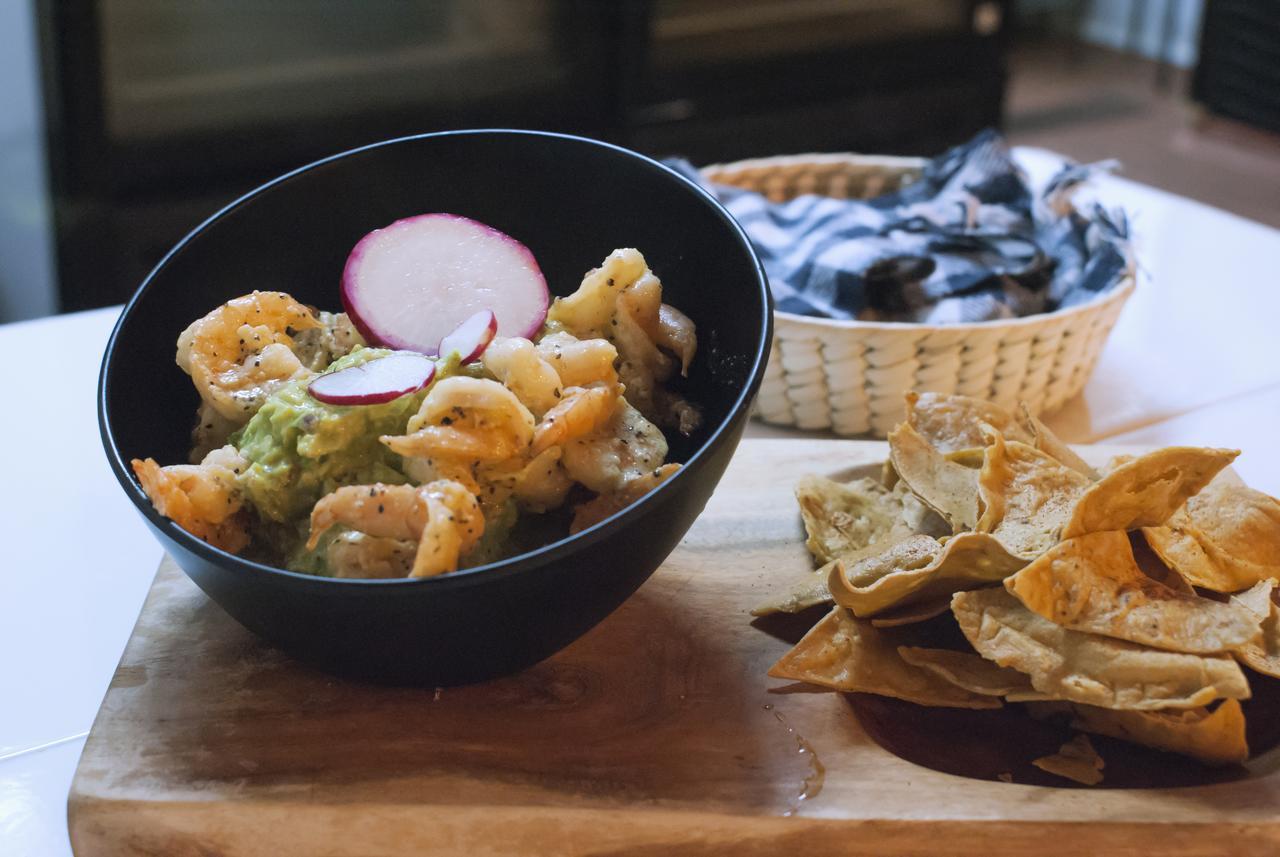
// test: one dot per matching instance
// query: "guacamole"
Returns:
(300, 448)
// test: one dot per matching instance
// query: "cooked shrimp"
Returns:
(467, 419)
(241, 352)
(335, 337)
(587, 312)
(583, 410)
(203, 498)
(625, 449)
(579, 362)
(622, 301)
(518, 365)
(364, 556)
(443, 517)
(537, 486)
(676, 333)
(594, 511)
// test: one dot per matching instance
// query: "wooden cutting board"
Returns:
(657, 733)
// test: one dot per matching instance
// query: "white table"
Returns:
(1195, 358)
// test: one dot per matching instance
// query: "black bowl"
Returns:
(572, 201)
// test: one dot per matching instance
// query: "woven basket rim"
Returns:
(901, 162)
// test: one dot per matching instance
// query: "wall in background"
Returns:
(1108, 23)
(27, 279)
(1135, 26)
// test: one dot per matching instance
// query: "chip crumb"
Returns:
(1005, 777)
(1075, 760)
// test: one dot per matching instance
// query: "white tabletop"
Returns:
(1195, 358)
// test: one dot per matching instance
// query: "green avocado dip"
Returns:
(301, 449)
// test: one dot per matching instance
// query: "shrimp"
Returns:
(443, 517)
(518, 364)
(537, 486)
(621, 301)
(242, 352)
(626, 448)
(471, 419)
(676, 333)
(359, 555)
(594, 511)
(204, 499)
(579, 362)
(335, 337)
(583, 410)
(587, 312)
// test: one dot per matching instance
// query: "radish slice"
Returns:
(375, 382)
(408, 285)
(470, 338)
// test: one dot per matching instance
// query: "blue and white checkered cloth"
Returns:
(966, 242)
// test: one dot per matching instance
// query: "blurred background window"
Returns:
(127, 122)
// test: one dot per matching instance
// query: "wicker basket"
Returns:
(849, 376)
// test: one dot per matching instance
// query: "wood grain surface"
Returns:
(657, 733)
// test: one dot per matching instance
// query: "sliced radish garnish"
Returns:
(375, 382)
(408, 285)
(470, 338)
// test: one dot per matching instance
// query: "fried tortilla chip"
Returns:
(848, 654)
(843, 518)
(950, 489)
(848, 521)
(1214, 737)
(1075, 760)
(798, 592)
(1047, 442)
(1086, 668)
(972, 672)
(1092, 583)
(1262, 653)
(1144, 492)
(920, 569)
(1154, 567)
(1027, 497)
(912, 613)
(949, 423)
(1226, 538)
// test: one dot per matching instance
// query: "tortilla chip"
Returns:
(1047, 442)
(948, 488)
(971, 458)
(910, 614)
(949, 423)
(1075, 760)
(849, 521)
(1177, 544)
(969, 671)
(1154, 567)
(1243, 525)
(1093, 584)
(1214, 737)
(920, 569)
(1082, 667)
(1027, 497)
(1226, 538)
(1262, 653)
(799, 592)
(843, 518)
(848, 654)
(1144, 492)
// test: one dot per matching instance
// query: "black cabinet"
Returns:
(159, 113)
